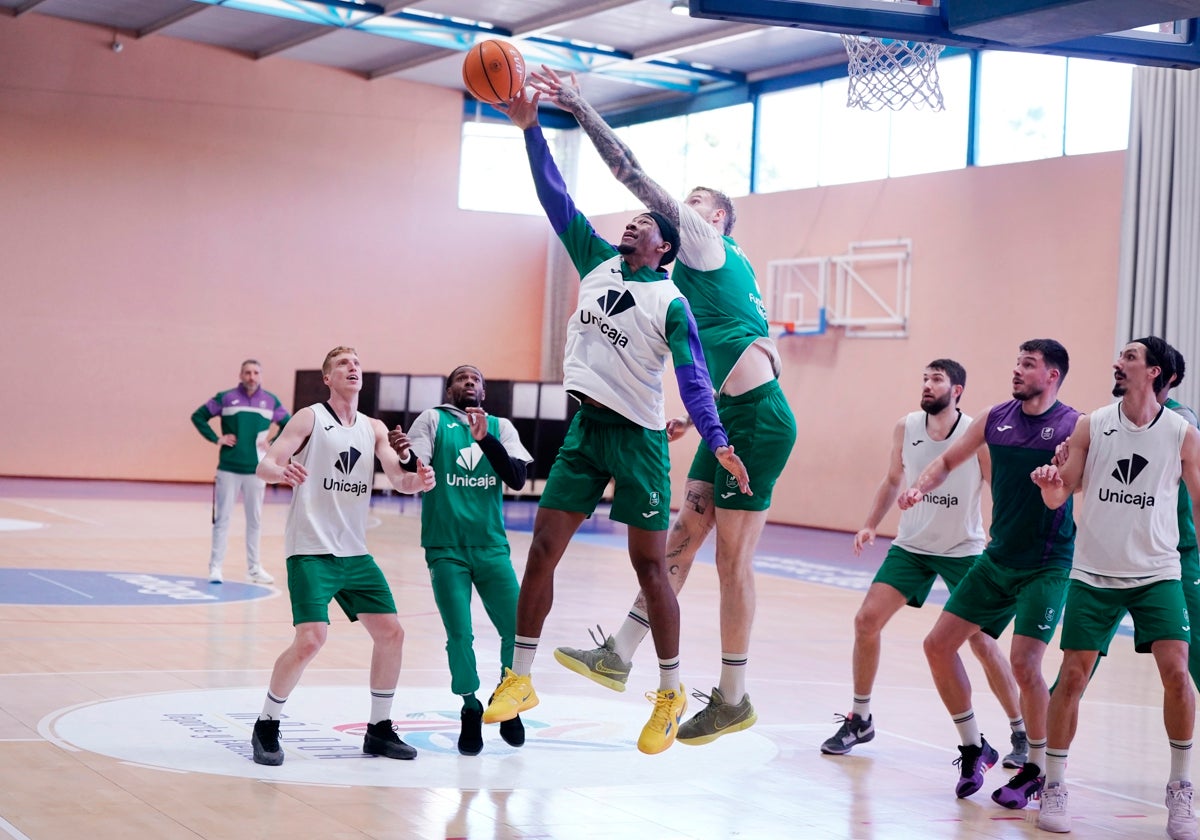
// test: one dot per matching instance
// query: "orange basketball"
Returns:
(494, 71)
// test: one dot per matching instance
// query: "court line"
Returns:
(12, 831)
(62, 585)
(54, 511)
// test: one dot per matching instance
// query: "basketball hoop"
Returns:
(886, 73)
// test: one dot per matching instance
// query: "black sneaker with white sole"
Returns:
(854, 730)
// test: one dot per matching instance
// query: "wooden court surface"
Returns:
(104, 710)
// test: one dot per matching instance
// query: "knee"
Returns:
(936, 648)
(1176, 679)
(867, 623)
(1028, 673)
(308, 645)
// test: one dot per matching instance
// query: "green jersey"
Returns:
(718, 281)
(1187, 527)
(465, 507)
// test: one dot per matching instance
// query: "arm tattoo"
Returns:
(620, 159)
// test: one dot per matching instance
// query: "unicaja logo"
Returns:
(468, 459)
(615, 302)
(611, 303)
(1129, 468)
(344, 463)
(346, 460)
(1126, 472)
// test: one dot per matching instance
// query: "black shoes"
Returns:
(382, 740)
(470, 736)
(513, 732)
(265, 742)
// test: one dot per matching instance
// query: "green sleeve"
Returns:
(200, 418)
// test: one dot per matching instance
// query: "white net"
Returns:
(885, 73)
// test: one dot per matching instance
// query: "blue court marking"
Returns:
(69, 588)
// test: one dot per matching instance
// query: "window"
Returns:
(709, 148)
(1022, 99)
(808, 137)
(1099, 94)
(494, 170)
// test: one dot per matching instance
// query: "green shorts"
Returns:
(991, 595)
(1091, 614)
(913, 574)
(762, 430)
(356, 583)
(600, 446)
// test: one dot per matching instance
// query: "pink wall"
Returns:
(175, 208)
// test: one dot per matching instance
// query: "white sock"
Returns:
(861, 706)
(524, 651)
(968, 728)
(272, 707)
(381, 704)
(633, 630)
(1037, 753)
(668, 674)
(1056, 766)
(1181, 761)
(1017, 724)
(733, 677)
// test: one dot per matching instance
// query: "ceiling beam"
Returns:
(697, 42)
(164, 22)
(27, 6)
(562, 17)
(435, 54)
(316, 32)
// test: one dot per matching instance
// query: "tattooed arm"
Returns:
(616, 155)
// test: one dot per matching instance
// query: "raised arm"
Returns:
(887, 492)
(933, 475)
(619, 158)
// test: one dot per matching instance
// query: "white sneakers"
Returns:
(1181, 818)
(257, 575)
(1053, 815)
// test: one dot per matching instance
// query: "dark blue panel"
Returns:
(930, 24)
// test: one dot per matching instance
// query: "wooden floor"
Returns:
(128, 692)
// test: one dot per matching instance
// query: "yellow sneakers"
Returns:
(659, 732)
(514, 695)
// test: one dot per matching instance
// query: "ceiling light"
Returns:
(680, 7)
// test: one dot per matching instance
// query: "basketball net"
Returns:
(885, 73)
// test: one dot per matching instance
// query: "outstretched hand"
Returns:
(564, 93)
(731, 462)
(522, 109)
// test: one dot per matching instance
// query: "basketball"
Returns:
(494, 71)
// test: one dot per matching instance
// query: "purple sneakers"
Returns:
(1021, 788)
(973, 762)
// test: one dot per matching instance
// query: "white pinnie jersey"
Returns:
(948, 521)
(1127, 517)
(329, 510)
(620, 362)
